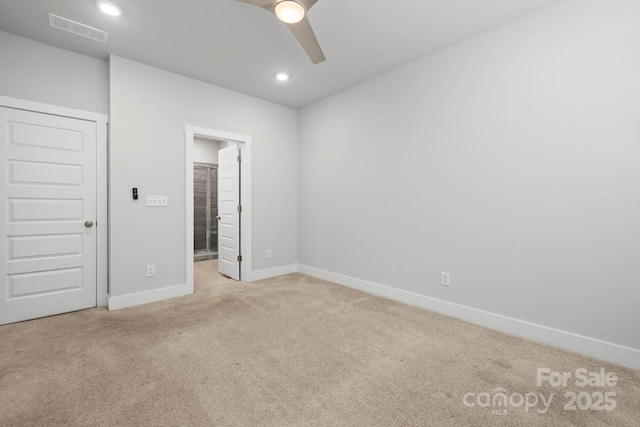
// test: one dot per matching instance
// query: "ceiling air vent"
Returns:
(77, 28)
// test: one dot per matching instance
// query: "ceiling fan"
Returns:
(293, 14)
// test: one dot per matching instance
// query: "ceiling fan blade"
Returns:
(307, 3)
(259, 3)
(304, 34)
(301, 31)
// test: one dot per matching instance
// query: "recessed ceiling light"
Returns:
(109, 8)
(282, 76)
(290, 11)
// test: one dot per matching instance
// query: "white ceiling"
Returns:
(240, 47)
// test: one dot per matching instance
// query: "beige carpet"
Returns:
(289, 351)
(206, 276)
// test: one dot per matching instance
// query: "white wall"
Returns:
(39, 72)
(205, 150)
(148, 110)
(514, 167)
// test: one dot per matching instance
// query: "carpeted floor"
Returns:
(288, 351)
(206, 276)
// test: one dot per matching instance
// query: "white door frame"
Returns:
(101, 221)
(245, 195)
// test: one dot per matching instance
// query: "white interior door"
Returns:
(48, 191)
(229, 212)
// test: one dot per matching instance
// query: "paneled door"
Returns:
(48, 206)
(229, 212)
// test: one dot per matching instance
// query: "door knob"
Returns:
(88, 224)
(218, 217)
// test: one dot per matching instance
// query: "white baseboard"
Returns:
(587, 346)
(115, 303)
(273, 272)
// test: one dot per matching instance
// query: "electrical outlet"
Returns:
(268, 253)
(445, 280)
(151, 270)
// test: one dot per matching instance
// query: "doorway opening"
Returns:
(205, 199)
(218, 207)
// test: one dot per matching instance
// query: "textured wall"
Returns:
(509, 160)
(149, 109)
(38, 72)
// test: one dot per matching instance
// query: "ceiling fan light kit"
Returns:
(293, 14)
(289, 11)
(109, 8)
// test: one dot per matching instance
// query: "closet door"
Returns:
(47, 215)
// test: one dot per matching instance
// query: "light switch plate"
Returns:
(157, 201)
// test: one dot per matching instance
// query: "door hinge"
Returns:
(239, 208)
(239, 258)
(239, 158)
